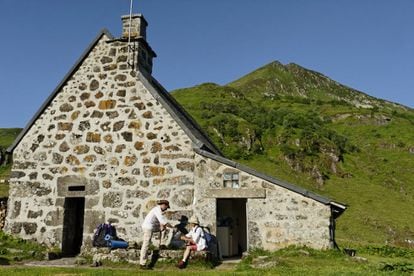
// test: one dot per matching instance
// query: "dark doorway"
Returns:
(232, 226)
(72, 226)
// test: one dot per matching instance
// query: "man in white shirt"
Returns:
(153, 222)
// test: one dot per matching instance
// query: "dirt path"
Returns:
(63, 262)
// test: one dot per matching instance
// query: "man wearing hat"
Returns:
(195, 240)
(153, 222)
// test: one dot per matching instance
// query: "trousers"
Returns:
(165, 239)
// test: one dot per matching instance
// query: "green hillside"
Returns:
(7, 136)
(300, 126)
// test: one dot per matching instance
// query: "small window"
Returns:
(76, 188)
(231, 180)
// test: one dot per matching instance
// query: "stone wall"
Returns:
(277, 217)
(106, 134)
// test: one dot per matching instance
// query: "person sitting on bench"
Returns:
(195, 240)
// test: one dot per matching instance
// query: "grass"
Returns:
(14, 250)
(7, 136)
(301, 261)
(288, 261)
(104, 271)
(4, 174)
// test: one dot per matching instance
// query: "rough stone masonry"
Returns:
(106, 131)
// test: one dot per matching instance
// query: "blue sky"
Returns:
(364, 44)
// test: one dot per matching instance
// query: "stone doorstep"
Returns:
(132, 255)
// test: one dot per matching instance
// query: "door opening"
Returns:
(72, 235)
(231, 226)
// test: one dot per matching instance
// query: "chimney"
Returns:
(134, 30)
(136, 25)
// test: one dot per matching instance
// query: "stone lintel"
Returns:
(236, 193)
(76, 186)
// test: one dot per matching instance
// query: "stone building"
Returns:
(110, 140)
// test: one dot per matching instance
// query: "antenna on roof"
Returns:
(130, 46)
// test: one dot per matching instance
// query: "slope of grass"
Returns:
(7, 136)
(305, 261)
(14, 250)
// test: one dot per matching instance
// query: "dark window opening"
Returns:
(76, 188)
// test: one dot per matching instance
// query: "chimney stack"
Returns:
(134, 30)
(137, 27)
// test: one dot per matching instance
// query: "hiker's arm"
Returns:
(162, 220)
(186, 237)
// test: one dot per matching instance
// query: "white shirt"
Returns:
(197, 235)
(154, 219)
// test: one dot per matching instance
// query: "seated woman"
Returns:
(195, 240)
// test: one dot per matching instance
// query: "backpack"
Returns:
(103, 233)
(207, 235)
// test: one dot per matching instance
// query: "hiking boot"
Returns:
(181, 264)
(96, 263)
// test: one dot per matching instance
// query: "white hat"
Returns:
(194, 220)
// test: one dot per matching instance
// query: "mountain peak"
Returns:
(275, 80)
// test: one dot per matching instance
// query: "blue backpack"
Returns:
(102, 232)
(207, 235)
